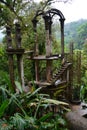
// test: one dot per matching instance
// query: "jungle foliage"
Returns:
(32, 110)
(20, 110)
(26, 107)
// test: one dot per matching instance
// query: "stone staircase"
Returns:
(60, 73)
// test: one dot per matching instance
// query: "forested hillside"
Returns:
(73, 32)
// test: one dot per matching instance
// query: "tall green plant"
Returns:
(27, 110)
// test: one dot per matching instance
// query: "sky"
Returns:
(72, 11)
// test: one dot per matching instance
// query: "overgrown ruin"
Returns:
(64, 78)
(53, 80)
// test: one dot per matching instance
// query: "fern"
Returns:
(18, 121)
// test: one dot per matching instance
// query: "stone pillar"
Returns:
(8, 37)
(36, 51)
(62, 35)
(48, 46)
(18, 35)
(20, 55)
(10, 56)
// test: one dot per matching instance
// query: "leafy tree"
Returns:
(20, 7)
(82, 34)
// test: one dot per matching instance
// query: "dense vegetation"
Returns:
(20, 110)
(76, 32)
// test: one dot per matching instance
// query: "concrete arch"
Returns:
(55, 12)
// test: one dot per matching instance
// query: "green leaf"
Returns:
(55, 102)
(3, 107)
(35, 92)
(43, 118)
(19, 87)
